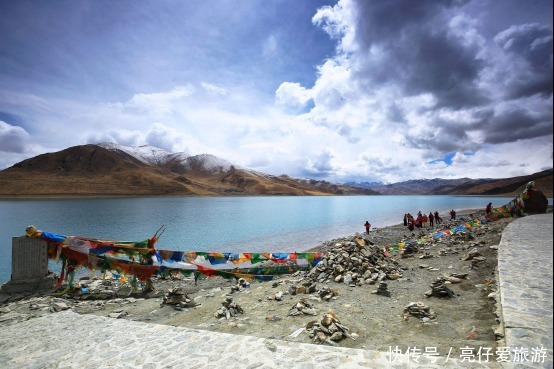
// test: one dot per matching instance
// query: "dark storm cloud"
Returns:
(395, 113)
(418, 51)
(390, 20)
(442, 138)
(531, 43)
(517, 124)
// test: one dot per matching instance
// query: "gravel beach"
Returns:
(373, 321)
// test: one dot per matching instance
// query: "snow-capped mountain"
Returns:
(177, 162)
(146, 153)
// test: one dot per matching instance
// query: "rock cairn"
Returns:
(354, 263)
(228, 309)
(382, 289)
(454, 277)
(302, 307)
(328, 330)
(241, 285)
(475, 257)
(439, 289)
(327, 293)
(305, 288)
(419, 310)
(409, 250)
(178, 299)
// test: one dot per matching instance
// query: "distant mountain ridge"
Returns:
(110, 169)
(117, 170)
(467, 186)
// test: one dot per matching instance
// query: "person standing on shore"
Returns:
(367, 227)
(438, 219)
(405, 220)
(431, 218)
(488, 210)
(425, 220)
(452, 215)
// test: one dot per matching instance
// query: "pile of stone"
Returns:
(327, 293)
(278, 296)
(302, 307)
(305, 288)
(409, 250)
(241, 285)
(472, 254)
(329, 330)
(178, 299)
(354, 263)
(382, 289)
(475, 257)
(439, 289)
(426, 255)
(463, 236)
(454, 277)
(228, 309)
(419, 310)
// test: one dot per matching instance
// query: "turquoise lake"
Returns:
(227, 224)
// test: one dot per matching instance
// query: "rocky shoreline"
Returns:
(440, 294)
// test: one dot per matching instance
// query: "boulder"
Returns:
(536, 202)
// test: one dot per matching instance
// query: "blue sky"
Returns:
(338, 90)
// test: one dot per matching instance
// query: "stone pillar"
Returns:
(29, 258)
(29, 266)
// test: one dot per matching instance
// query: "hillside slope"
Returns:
(112, 170)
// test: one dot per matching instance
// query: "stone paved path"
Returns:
(70, 340)
(525, 284)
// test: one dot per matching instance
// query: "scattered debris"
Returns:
(296, 333)
(473, 253)
(472, 333)
(118, 314)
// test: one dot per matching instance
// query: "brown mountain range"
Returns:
(93, 170)
(114, 170)
(467, 186)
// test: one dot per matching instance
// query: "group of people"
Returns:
(422, 220)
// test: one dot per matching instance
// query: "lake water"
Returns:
(227, 224)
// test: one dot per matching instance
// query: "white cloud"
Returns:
(292, 95)
(13, 139)
(404, 89)
(167, 138)
(214, 89)
(158, 102)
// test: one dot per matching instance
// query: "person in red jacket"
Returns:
(488, 210)
(367, 227)
(431, 219)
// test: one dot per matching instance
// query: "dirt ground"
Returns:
(468, 319)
